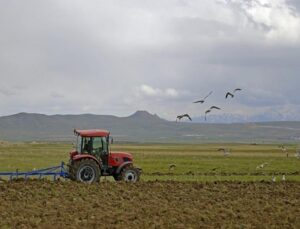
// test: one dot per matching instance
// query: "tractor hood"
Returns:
(116, 159)
(121, 155)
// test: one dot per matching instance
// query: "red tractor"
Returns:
(92, 159)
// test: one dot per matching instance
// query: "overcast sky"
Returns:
(119, 56)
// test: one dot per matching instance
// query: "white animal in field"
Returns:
(274, 179)
(297, 155)
(283, 178)
(262, 165)
(226, 152)
(172, 167)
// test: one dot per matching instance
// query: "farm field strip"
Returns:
(190, 162)
(44, 204)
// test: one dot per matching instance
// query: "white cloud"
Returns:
(171, 92)
(146, 90)
(276, 19)
(149, 91)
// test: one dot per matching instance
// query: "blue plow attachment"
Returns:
(56, 171)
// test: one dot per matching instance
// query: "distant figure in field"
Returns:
(297, 154)
(261, 166)
(284, 150)
(172, 167)
(226, 152)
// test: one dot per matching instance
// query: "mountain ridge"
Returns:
(142, 126)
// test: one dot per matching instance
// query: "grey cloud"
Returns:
(6, 92)
(296, 4)
(73, 59)
(57, 95)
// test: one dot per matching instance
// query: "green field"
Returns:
(201, 162)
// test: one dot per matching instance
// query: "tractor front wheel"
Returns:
(86, 171)
(130, 174)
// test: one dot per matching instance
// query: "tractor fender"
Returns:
(78, 157)
(123, 165)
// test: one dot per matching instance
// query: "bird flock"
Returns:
(229, 94)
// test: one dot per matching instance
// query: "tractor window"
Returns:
(86, 145)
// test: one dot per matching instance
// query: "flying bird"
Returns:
(237, 89)
(179, 117)
(200, 101)
(229, 94)
(203, 100)
(206, 112)
(214, 107)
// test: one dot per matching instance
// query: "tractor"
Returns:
(92, 159)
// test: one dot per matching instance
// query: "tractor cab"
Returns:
(93, 142)
(92, 158)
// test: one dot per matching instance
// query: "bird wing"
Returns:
(214, 107)
(237, 89)
(179, 117)
(186, 115)
(208, 95)
(229, 94)
(199, 101)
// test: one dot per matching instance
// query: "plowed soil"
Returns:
(45, 204)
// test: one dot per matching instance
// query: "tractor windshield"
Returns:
(100, 145)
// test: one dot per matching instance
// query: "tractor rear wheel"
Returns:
(86, 171)
(130, 174)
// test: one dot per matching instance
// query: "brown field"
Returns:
(152, 204)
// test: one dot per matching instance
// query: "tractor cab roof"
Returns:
(92, 133)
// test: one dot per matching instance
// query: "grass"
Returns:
(201, 162)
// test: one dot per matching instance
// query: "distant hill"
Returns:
(142, 127)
